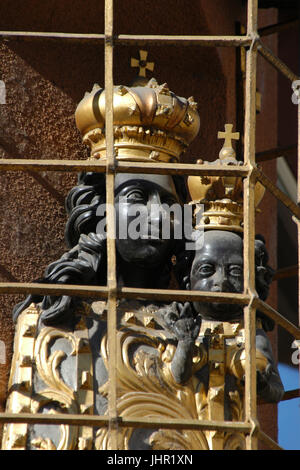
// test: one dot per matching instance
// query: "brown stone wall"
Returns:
(46, 79)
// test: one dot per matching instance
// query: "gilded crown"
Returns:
(218, 200)
(151, 123)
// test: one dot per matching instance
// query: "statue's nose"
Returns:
(221, 283)
(155, 209)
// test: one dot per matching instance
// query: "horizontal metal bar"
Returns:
(33, 35)
(276, 62)
(129, 39)
(164, 40)
(280, 195)
(262, 436)
(290, 151)
(290, 271)
(277, 317)
(20, 164)
(101, 292)
(183, 295)
(182, 169)
(94, 420)
(291, 394)
(122, 167)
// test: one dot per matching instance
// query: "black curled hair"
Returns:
(85, 262)
(263, 274)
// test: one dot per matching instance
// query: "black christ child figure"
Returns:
(218, 267)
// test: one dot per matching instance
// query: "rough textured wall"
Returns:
(46, 79)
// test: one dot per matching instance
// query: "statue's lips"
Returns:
(224, 291)
(154, 241)
(145, 237)
(153, 238)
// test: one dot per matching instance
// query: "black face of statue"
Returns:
(141, 203)
(218, 267)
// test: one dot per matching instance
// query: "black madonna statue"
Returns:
(60, 350)
(210, 354)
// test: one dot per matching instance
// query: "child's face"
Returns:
(218, 267)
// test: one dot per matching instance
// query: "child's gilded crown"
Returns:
(221, 196)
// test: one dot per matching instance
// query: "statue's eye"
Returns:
(135, 195)
(236, 271)
(206, 269)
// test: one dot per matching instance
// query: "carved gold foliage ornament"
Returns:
(21, 378)
(56, 391)
(234, 441)
(146, 389)
(48, 391)
(47, 363)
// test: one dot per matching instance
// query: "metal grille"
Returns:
(111, 292)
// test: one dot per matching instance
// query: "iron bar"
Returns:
(249, 225)
(276, 62)
(298, 201)
(290, 151)
(279, 27)
(129, 39)
(101, 292)
(291, 394)
(122, 167)
(110, 218)
(283, 273)
(98, 420)
(278, 318)
(214, 41)
(268, 441)
(182, 295)
(280, 195)
(48, 35)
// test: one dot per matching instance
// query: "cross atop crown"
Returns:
(228, 136)
(142, 63)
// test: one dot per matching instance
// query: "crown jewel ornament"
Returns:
(221, 197)
(151, 123)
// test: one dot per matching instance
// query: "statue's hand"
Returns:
(180, 320)
(222, 161)
(263, 378)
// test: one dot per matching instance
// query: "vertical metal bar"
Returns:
(298, 200)
(111, 248)
(298, 182)
(249, 226)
